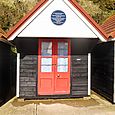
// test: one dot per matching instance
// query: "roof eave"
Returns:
(25, 18)
(89, 18)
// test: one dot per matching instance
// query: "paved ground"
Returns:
(95, 105)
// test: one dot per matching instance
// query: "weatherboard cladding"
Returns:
(7, 73)
(79, 75)
(79, 67)
(103, 69)
(28, 76)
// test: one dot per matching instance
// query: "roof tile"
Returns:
(109, 26)
(2, 34)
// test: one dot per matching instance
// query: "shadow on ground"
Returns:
(94, 105)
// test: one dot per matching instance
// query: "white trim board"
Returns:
(18, 74)
(89, 73)
(114, 77)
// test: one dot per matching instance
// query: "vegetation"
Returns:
(100, 10)
(11, 11)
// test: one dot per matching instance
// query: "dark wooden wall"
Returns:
(79, 46)
(79, 65)
(28, 47)
(7, 73)
(82, 46)
(79, 76)
(103, 69)
(28, 75)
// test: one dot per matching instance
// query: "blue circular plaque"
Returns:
(58, 17)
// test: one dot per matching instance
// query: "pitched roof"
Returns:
(73, 2)
(2, 34)
(26, 17)
(3, 37)
(109, 26)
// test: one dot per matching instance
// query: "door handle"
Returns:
(58, 75)
(53, 64)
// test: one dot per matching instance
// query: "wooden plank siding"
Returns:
(28, 76)
(7, 73)
(79, 76)
(29, 73)
(103, 69)
(28, 48)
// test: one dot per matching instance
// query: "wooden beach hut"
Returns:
(54, 43)
(7, 69)
(103, 63)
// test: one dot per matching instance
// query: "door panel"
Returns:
(54, 67)
(45, 68)
(62, 73)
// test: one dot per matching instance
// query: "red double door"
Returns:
(54, 67)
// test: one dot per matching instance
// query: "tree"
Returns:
(12, 11)
(100, 10)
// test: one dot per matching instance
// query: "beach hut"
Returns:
(54, 43)
(7, 69)
(103, 63)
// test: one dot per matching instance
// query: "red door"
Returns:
(54, 67)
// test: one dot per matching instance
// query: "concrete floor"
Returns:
(94, 105)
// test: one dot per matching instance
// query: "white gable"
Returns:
(40, 24)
